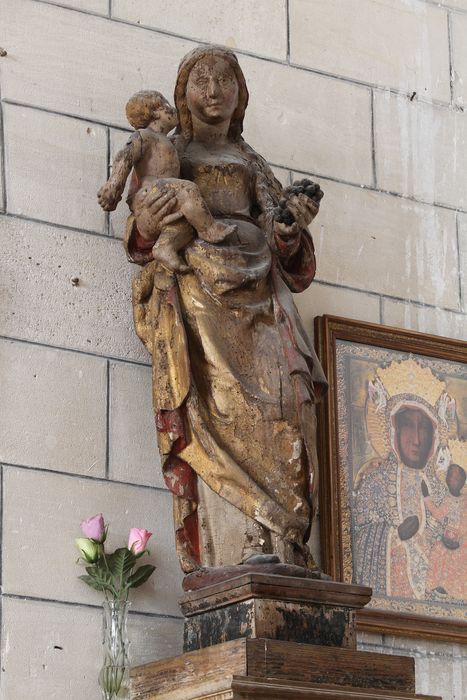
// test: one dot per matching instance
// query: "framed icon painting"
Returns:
(392, 441)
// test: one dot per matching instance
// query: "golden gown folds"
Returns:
(234, 375)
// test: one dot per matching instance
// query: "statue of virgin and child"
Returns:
(235, 378)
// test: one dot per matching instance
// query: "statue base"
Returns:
(211, 575)
(272, 637)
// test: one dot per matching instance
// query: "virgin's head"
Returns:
(211, 87)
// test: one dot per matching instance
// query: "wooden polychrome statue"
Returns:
(223, 248)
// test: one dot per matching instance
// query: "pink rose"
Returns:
(94, 528)
(138, 540)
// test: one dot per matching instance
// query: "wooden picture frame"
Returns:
(387, 385)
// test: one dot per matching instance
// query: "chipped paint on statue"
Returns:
(235, 377)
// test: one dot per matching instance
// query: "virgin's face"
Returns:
(212, 90)
(415, 437)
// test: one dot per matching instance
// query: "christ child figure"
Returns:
(448, 561)
(154, 159)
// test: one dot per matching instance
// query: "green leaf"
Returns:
(102, 577)
(121, 562)
(140, 576)
(91, 581)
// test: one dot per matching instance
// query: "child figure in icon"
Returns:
(154, 159)
(448, 558)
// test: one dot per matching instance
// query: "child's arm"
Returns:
(110, 194)
(438, 512)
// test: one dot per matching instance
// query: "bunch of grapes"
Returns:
(312, 190)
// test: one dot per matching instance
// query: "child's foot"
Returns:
(217, 232)
(169, 259)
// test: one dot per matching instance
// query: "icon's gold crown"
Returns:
(408, 377)
(458, 450)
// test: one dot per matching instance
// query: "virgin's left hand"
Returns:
(303, 208)
(285, 231)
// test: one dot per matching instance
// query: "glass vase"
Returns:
(114, 677)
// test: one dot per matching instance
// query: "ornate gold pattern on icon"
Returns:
(458, 452)
(408, 377)
(403, 519)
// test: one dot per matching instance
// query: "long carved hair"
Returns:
(185, 126)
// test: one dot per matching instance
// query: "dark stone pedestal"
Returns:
(273, 607)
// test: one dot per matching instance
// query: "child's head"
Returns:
(147, 106)
(455, 479)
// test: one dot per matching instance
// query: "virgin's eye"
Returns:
(225, 79)
(199, 78)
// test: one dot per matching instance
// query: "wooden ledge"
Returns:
(262, 668)
(271, 689)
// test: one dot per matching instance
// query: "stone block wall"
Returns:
(366, 96)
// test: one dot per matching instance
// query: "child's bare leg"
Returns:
(170, 242)
(195, 210)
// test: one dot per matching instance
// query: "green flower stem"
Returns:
(107, 567)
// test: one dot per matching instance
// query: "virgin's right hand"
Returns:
(450, 542)
(154, 211)
(409, 527)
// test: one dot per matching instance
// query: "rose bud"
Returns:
(138, 540)
(94, 528)
(88, 549)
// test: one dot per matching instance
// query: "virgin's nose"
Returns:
(416, 438)
(213, 87)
